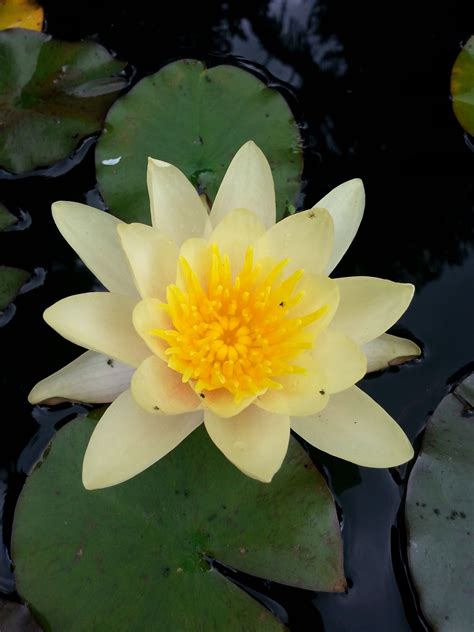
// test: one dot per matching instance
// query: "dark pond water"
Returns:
(372, 86)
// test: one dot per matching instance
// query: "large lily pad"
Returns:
(135, 555)
(52, 95)
(11, 281)
(439, 513)
(195, 118)
(462, 86)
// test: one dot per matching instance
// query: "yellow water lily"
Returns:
(227, 318)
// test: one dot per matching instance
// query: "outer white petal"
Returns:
(248, 183)
(93, 235)
(388, 350)
(369, 306)
(92, 377)
(101, 322)
(152, 256)
(355, 428)
(127, 440)
(176, 208)
(346, 204)
(255, 440)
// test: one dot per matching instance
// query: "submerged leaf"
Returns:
(6, 218)
(195, 118)
(462, 86)
(140, 551)
(53, 94)
(440, 511)
(11, 280)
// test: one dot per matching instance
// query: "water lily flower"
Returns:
(229, 319)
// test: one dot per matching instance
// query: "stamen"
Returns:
(237, 334)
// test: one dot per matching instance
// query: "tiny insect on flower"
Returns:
(229, 319)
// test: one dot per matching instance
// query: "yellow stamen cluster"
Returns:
(238, 334)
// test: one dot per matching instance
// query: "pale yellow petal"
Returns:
(306, 238)
(159, 389)
(346, 204)
(319, 294)
(388, 350)
(248, 183)
(92, 377)
(127, 440)
(93, 235)
(101, 322)
(255, 441)
(369, 306)
(334, 363)
(238, 230)
(355, 428)
(223, 404)
(152, 256)
(148, 316)
(301, 395)
(176, 209)
(338, 360)
(197, 253)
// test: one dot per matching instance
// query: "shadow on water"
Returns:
(375, 104)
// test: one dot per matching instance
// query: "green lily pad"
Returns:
(136, 555)
(6, 218)
(52, 95)
(462, 86)
(11, 280)
(195, 118)
(440, 511)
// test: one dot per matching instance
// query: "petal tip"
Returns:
(155, 163)
(33, 397)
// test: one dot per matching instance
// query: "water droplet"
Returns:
(110, 162)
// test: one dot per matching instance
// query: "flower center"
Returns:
(238, 333)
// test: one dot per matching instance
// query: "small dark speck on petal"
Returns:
(110, 362)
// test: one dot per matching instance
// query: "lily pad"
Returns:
(195, 118)
(11, 281)
(24, 14)
(53, 94)
(462, 86)
(440, 511)
(6, 218)
(139, 552)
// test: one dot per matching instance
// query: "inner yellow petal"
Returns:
(237, 333)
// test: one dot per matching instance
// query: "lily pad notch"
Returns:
(195, 118)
